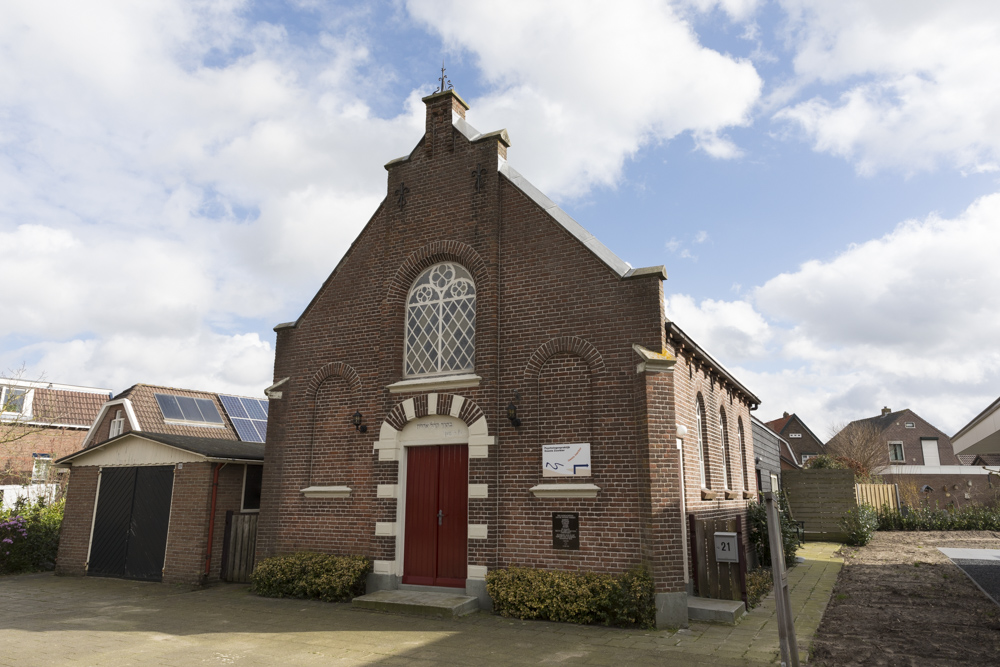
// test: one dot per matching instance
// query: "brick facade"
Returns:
(555, 329)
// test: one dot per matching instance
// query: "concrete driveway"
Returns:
(49, 620)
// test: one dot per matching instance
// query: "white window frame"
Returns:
(26, 405)
(724, 437)
(902, 452)
(806, 457)
(699, 422)
(471, 368)
(794, 435)
(117, 425)
(40, 465)
(909, 424)
(243, 488)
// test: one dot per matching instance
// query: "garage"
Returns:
(131, 521)
(158, 507)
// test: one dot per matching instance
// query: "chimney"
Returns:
(784, 416)
(440, 108)
(885, 411)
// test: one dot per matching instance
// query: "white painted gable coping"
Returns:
(270, 391)
(653, 361)
(133, 421)
(565, 490)
(326, 491)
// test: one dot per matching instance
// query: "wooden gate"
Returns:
(239, 546)
(877, 495)
(719, 581)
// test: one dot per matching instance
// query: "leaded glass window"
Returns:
(441, 321)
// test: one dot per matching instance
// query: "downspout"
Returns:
(211, 518)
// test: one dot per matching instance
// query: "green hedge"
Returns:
(29, 536)
(310, 575)
(968, 517)
(860, 525)
(622, 600)
(759, 584)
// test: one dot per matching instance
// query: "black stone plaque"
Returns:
(566, 530)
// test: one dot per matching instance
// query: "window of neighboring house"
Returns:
(806, 457)
(909, 425)
(252, 477)
(192, 411)
(699, 428)
(726, 472)
(896, 452)
(794, 435)
(441, 322)
(117, 425)
(40, 467)
(12, 399)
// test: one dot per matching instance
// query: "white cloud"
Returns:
(911, 319)
(912, 82)
(582, 86)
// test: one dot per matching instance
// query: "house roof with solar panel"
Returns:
(171, 411)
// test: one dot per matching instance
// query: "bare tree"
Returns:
(862, 443)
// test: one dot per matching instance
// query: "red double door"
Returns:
(437, 515)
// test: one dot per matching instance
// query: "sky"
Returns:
(821, 180)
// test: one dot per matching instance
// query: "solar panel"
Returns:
(249, 416)
(246, 430)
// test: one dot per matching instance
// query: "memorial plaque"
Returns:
(566, 530)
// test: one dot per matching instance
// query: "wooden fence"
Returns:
(719, 581)
(239, 546)
(877, 495)
(821, 498)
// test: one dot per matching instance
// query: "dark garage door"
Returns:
(130, 527)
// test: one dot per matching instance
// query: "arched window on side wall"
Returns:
(441, 322)
(727, 473)
(700, 427)
(743, 454)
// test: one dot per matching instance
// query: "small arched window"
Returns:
(727, 474)
(441, 322)
(702, 442)
(743, 454)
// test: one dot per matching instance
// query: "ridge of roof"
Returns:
(672, 327)
(977, 419)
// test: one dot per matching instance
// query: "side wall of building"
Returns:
(767, 447)
(78, 517)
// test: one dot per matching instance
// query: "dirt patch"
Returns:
(900, 601)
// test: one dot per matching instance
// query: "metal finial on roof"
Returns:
(444, 80)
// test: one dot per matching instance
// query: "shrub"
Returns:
(310, 575)
(824, 462)
(574, 597)
(757, 513)
(29, 536)
(969, 517)
(860, 524)
(759, 584)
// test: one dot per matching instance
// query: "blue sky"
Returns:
(819, 179)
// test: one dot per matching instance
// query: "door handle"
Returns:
(440, 516)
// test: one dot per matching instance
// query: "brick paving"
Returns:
(49, 620)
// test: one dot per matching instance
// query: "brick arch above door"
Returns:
(452, 405)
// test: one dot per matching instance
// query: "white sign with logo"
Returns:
(566, 460)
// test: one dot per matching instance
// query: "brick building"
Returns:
(799, 437)
(40, 422)
(481, 383)
(160, 472)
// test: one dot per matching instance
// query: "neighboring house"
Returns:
(923, 462)
(981, 435)
(481, 383)
(799, 437)
(40, 422)
(150, 489)
(772, 454)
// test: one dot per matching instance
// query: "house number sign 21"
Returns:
(725, 548)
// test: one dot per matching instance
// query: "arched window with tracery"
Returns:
(441, 322)
(727, 474)
(702, 442)
(743, 454)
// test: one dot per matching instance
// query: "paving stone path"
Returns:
(49, 620)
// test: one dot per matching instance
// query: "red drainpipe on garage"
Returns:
(211, 518)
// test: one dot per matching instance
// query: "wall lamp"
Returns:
(512, 415)
(356, 420)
